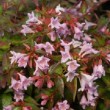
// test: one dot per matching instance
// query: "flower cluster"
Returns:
(63, 49)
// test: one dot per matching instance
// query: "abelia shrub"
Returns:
(63, 60)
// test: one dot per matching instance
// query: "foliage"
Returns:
(40, 66)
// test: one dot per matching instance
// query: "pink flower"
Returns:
(65, 56)
(9, 107)
(22, 62)
(49, 48)
(26, 30)
(76, 43)
(25, 81)
(84, 102)
(78, 33)
(39, 83)
(80, 25)
(52, 35)
(65, 45)
(86, 49)
(98, 71)
(88, 25)
(86, 81)
(54, 23)
(59, 9)
(72, 65)
(108, 57)
(37, 70)
(39, 46)
(50, 83)
(33, 19)
(16, 85)
(63, 105)
(18, 96)
(87, 38)
(45, 99)
(42, 62)
(63, 30)
(16, 56)
(70, 75)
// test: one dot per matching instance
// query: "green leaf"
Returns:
(1, 9)
(84, 7)
(56, 68)
(60, 86)
(75, 88)
(17, 108)
(5, 62)
(6, 99)
(72, 86)
(29, 99)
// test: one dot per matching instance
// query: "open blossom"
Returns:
(52, 35)
(16, 56)
(66, 45)
(16, 84)
(25, 81)
(88, 25)
(33, 19)
(90, 89)
(80, 25)
(26, 30)
(84, 101)
(49, 48)
(22, 62)
(86, 81)
(70, 76)
(63, 105)
(39, 46)
(59, 9)
(72, 65)
(54, 23)
(65, 56)
(63, 30)
(90, 98)
(37, 70)
(76, 43)
(98, 71)
(43, 62)
(87, 38)
(18, 96)
(78, 33)
(86, 49)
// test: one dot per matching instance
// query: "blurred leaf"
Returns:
(29, 99)
(5, 62)
(75, 88)
(84, 7)
(17, 108)
(56, 68)
(1, 9)
(72, 86)
(6, 99)
(59, 83)
(100, 105)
